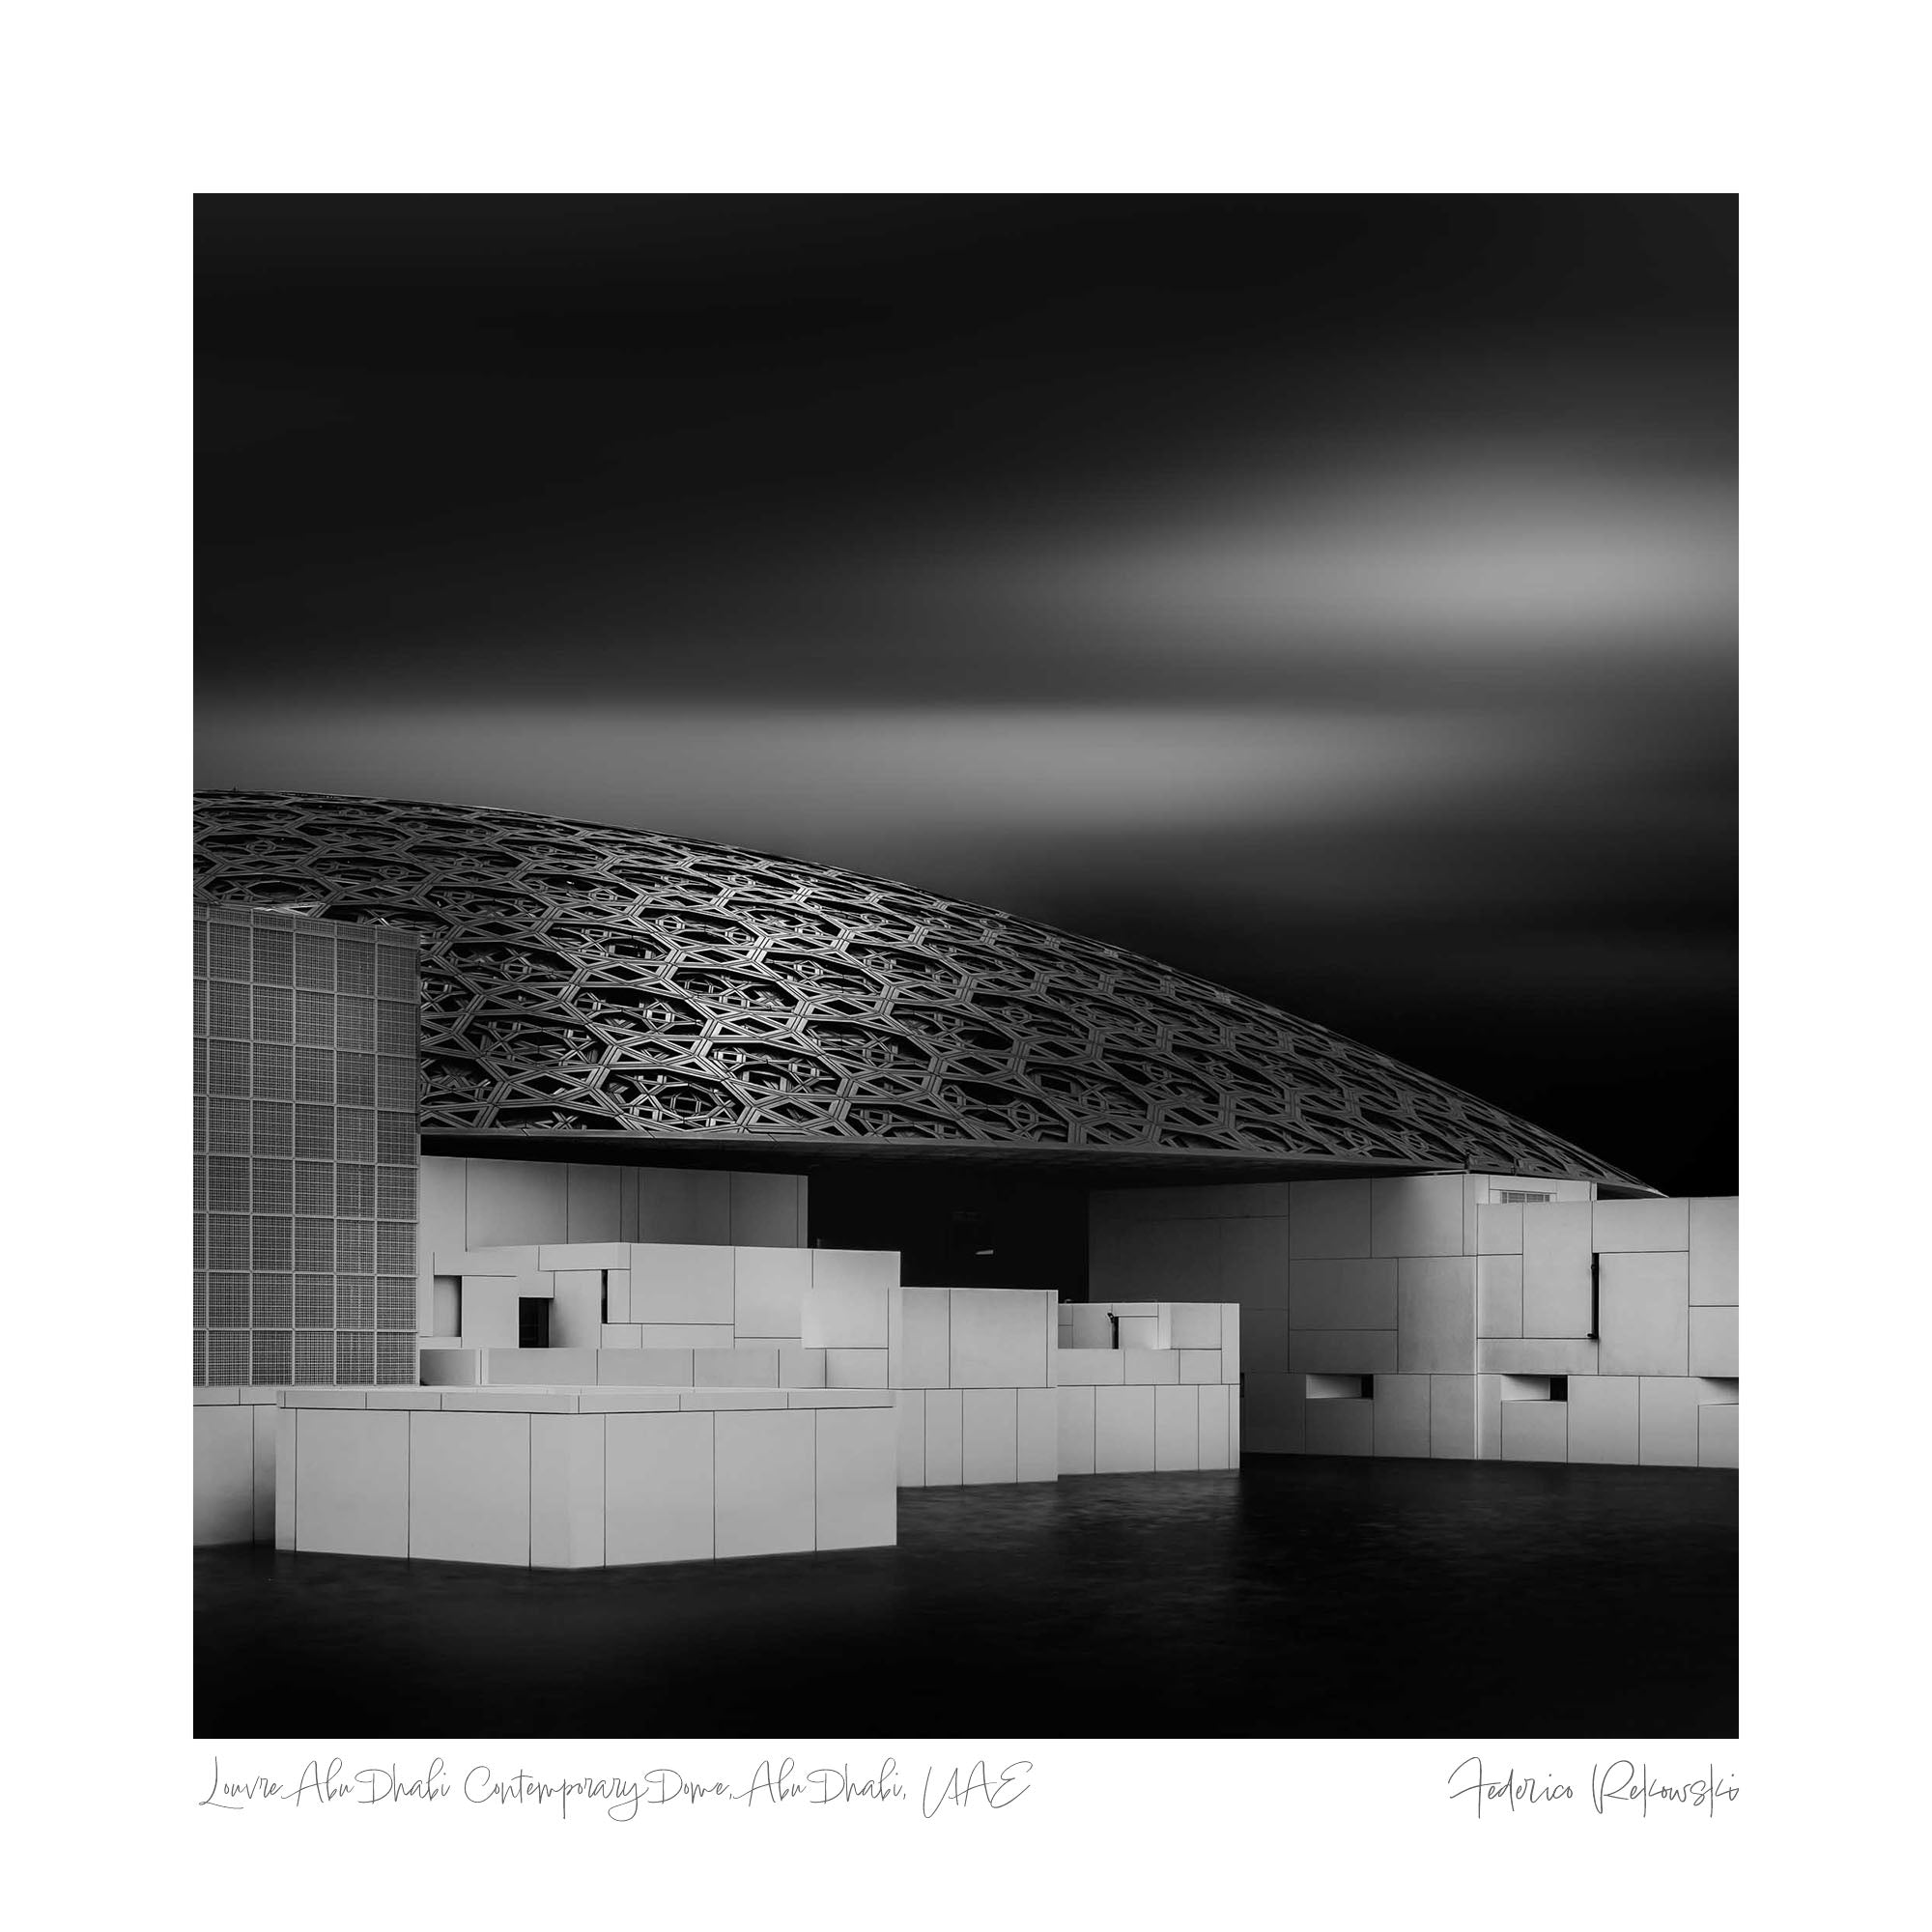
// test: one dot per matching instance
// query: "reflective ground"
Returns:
(1300, 1595)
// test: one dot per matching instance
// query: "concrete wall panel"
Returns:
(1401, 1415)
(1644, 1314)
(1329, 1219)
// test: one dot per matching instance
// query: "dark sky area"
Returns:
(1334, 598)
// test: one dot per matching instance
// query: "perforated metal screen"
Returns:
(304, 1149)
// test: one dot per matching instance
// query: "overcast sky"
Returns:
(1337, 599)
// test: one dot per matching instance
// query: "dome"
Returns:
(584, 981)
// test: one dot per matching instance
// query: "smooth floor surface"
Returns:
(1297, 1597)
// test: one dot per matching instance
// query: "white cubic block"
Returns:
(943, 1429)
(1002, 1337)
(516, 1201)
(801, 1368)
(1500, 1297)
(1123, 1428)
(682, 1282)
(353, 1476)
(1401, 1419)
(735, 1368)
(1194, 1324)
(617, 1294)
(857, 1368)
(645, 1368)
(1151, 1365)
(618, 1335)
(1556, 1269)
(770, 1285)
(490, 1311)
(1231, 1342)
(989, 1445)
(918, 1328)
(1273, 1413)
(909, 1408)
(1718, 1436)
(1489, 1418)
(658, 1486)
(582, 1257)
(567, 1491)
(225, 1474)
(442, 1183)
(1416, 1215)
(856, 1478)
(1713, 1340)
(1536, 1432)
(1342, 1351)
(1713, 1249)
(1176, 1426)
(1078, 1368)
(684, 1334)
(1349, 1294)
(627, 1400)
(1092, 1325)
(1074, 1415)
(539, 1368)
(1604, 1419)
(1039, 1430)
(1499, 1228)
(764, 1492)
(266, 1431)
(1452, 1417)
(1639, 1226)
(1341, 1427)
(1436, 1314)
(1140, 1331)
(1537, 1358)
(767, 1209)
(285, 1477)
(1216, 1443)
(593, 1210)
(848, 1304)
(468, 1262)
(509, 1401)
(1199, 1365)
(577, 1310)
(1329, 1218)
(450, 1368)
(1667, 1420)
(1644, 1308)
(1254, 1261)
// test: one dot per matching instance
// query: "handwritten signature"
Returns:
(1621, 1782)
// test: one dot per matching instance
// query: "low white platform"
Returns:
(575, 1478)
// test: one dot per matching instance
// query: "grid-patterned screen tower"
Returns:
(305, 1073)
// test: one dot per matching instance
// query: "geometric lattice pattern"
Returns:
(585, 980)
(305, 1150)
